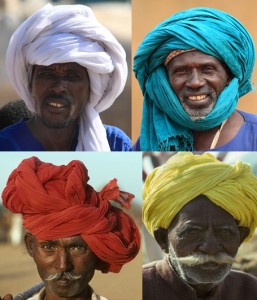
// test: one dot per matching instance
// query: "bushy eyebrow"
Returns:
(73, 243)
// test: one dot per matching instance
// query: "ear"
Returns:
(161, 237)
(29, 242)
(244, 232)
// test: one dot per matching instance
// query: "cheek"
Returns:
(175, 84)
(45, 265)
(185, 248)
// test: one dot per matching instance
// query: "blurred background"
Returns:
(246, 259)
(17, 269)
(148, 13)
(114, 14)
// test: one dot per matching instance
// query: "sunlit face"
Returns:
(60, 92)
(197, 79)
(65, 265)
(207, 238)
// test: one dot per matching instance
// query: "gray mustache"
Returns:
(199, 259)
(64, 275)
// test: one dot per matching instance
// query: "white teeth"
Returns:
(199, 97)
(56, 104)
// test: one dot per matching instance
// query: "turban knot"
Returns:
(57, 202)
(165, 123)
(185, 176)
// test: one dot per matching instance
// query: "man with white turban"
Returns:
(68, 68)
(192, 69)
(199, 211)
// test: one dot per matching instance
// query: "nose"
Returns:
(210, 244)
(195, 79)
(59, 84)
(63, 262)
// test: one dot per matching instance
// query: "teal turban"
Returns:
(165, 124)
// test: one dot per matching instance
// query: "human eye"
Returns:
(180, 71)
(48, 247)
(190, 232)
(45, 74)
(78, 249)
(72, 77)
(226, 232)
(208, 69)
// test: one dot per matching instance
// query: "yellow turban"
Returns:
(185, 176)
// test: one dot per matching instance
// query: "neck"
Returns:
(203, 139)
(52, 139)
(202, 290)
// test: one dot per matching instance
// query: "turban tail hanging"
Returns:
(57, 202)
(185, 176)
(165, 124)
(70, 33)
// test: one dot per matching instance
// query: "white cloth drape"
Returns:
(71, 33)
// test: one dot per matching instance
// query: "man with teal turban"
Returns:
(192, 69)
(199, 211)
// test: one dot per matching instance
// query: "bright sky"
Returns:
(102, 167)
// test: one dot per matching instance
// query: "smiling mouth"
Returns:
(57, 105)
(197, 97)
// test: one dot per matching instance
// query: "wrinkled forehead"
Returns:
(66, 241)
(62, 67)
(203, 212)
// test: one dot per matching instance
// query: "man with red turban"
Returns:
(71, 230)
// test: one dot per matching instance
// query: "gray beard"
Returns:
(186, 267)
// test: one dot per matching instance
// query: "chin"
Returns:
(197, 276)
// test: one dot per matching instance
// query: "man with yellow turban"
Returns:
(68, 68)
(71, 230)
(192, 69)
(199, 210)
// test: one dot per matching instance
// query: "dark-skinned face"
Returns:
(65, 265)
(60, 92)
(202, 241)
(197, 79)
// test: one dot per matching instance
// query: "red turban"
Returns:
(56, 202)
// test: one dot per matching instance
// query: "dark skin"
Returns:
(70, 254)
(202, 227)
(198, 79)
(60, 92)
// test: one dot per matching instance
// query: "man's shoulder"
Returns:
(149, 270)
(17, 137)
(243, 282)
(10, 135)
(118, 140)
(242, 276)
(248, 117)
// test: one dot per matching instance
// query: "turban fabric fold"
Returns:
(57, 202)
(63, 34)
(165, 124)
(184, 176)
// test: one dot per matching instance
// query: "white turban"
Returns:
(71, 33)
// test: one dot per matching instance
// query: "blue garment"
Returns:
(245, 139)
(165, 124)
(18, 137)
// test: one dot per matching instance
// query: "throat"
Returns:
(203, 139)
(53, 139)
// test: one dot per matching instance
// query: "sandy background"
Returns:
(18, 273)
(146, 14)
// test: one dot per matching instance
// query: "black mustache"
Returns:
(65, 98)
